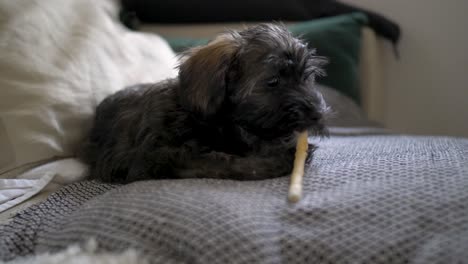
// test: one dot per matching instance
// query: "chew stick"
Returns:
(295, 188)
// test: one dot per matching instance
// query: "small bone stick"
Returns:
(295, 188)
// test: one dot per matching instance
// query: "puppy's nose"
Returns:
(311, 114)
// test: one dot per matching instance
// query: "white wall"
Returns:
(427, 88)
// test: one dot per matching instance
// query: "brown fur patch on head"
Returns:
(203, 74)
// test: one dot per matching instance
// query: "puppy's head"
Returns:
(261, 78)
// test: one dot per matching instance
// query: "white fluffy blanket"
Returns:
(76, 254)
(58, 60)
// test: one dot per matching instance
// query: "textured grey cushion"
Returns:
(368, 199)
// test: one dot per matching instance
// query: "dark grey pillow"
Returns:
(211, 11)
(345, 112)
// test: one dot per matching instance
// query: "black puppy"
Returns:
(233, 112)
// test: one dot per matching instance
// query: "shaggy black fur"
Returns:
(233, 112)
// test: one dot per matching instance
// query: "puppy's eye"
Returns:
(273, 82)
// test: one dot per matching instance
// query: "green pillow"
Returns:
(338, 38)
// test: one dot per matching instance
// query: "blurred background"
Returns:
(427, 88)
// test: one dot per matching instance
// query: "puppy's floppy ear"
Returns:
(203, 74)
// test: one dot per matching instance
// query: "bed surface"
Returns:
(370, 197)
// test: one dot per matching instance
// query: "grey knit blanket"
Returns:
(367, 199)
